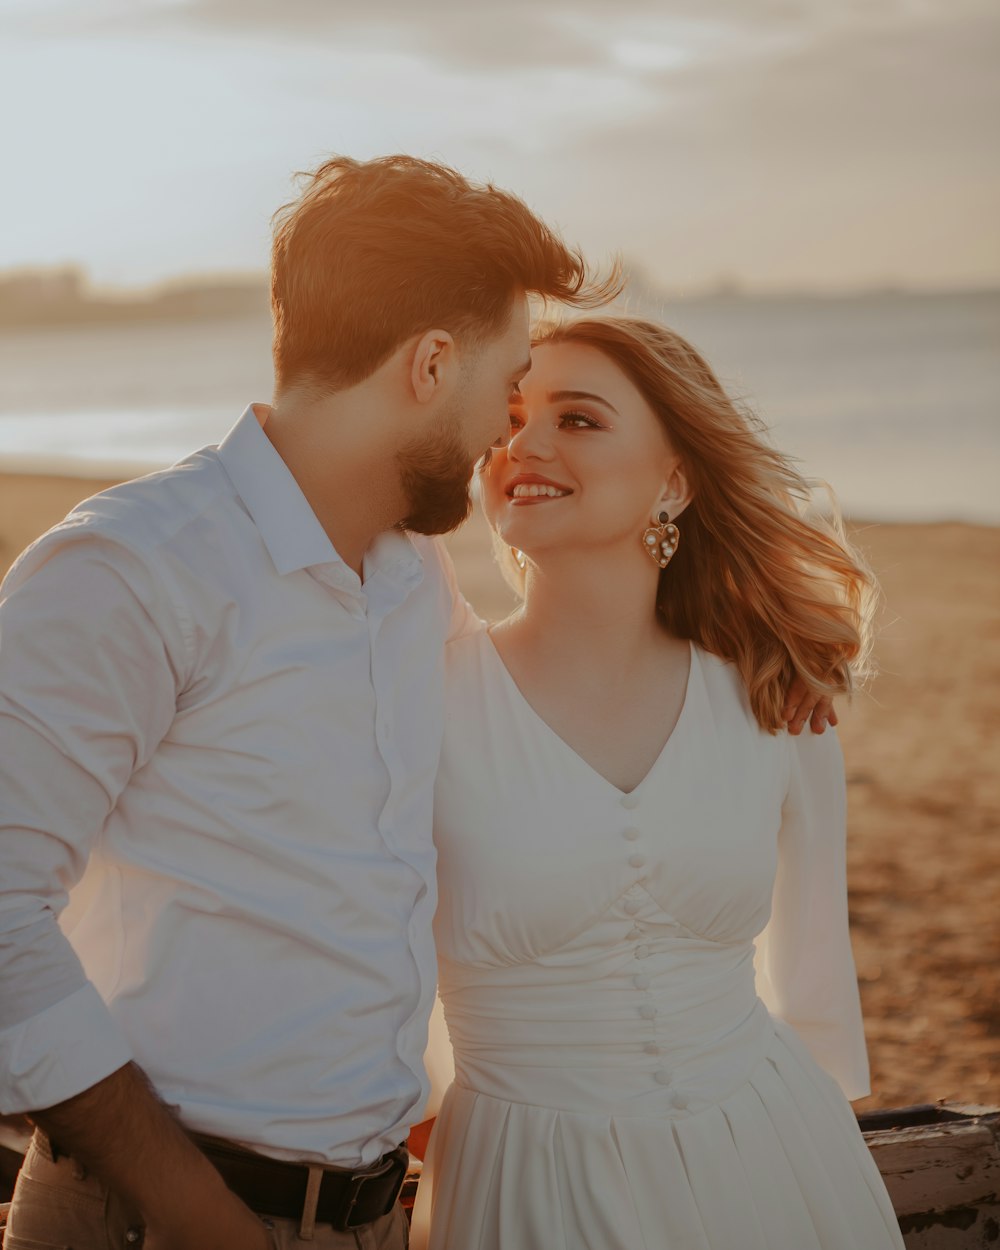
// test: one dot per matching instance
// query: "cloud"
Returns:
(861, 151)
(771, 139)
(450, 33)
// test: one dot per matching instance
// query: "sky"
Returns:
(777, 144)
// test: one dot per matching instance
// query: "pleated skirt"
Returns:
(779, 1164)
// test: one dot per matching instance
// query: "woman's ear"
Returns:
(431, 364)
(676, 493)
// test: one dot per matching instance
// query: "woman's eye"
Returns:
(579, 420)
(515, 421)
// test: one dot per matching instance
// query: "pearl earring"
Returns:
(660, 540)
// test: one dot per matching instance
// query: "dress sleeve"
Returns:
(805, 967)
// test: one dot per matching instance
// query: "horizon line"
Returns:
(724, 286)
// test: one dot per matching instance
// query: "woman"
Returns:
(616, 806)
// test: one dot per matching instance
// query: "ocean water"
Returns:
(894, 399)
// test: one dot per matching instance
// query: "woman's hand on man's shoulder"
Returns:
(804, 705)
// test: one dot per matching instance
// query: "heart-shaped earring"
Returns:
(660, 540)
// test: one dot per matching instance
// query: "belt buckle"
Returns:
(396, 1161)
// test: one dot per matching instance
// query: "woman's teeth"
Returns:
(533, 490)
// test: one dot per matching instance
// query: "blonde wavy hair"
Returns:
(758, 578)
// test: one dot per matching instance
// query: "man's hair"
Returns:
(372, 253)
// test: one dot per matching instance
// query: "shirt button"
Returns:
(641, 982)
(647, 1011)
(637, 861)
(662, 1078)
(630, 801)
(679, 1099)
(632, 906)
(641, 952)
(652, 1048)
(633, 935)
(630, 835)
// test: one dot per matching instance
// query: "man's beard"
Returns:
(435, 473)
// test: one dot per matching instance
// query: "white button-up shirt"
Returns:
(221, 743)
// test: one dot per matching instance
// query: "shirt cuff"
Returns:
(59, 1053)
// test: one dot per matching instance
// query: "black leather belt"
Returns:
(312, 1195)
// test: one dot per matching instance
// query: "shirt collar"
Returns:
(290, 529)
(287, 524)
(394, 555)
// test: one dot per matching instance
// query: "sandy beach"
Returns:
(924, 790)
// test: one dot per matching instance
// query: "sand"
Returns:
(923, 763)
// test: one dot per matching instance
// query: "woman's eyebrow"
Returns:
(558, 397)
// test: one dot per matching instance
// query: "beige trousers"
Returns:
(57, 1206)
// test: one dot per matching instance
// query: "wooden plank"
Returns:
(936, 1167)
(961, 1228)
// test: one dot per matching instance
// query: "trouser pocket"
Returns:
(57, 1207)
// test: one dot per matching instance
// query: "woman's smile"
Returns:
(532, 488)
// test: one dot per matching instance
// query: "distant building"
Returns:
(64, 296)
(42, 288)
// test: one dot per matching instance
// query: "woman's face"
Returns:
(587, 462)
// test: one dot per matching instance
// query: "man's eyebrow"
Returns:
(558, 397)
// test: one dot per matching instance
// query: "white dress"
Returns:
(623, 1079)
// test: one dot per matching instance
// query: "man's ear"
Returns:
(433, 360)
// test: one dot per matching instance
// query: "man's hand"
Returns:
(803, 705)
(121, 1132)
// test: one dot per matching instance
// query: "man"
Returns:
(220, 713)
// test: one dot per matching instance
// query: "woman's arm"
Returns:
(805, 966)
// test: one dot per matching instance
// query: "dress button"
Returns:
(630, 801)
(642, 952)
(633, 935)
(662, 1077)
(637, 861)
(652, 1048)
(679, 1099)
(647, 1011)
(630, 835)
(632, 906)
(641, 982)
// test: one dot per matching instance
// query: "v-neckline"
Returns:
(519, 694)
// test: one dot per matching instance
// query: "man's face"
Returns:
(489, 379)
(436, 469)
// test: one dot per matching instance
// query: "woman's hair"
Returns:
(754, 580)
(374, 252)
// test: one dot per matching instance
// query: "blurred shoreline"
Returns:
(891, 397)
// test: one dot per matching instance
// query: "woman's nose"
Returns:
(528, 441)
